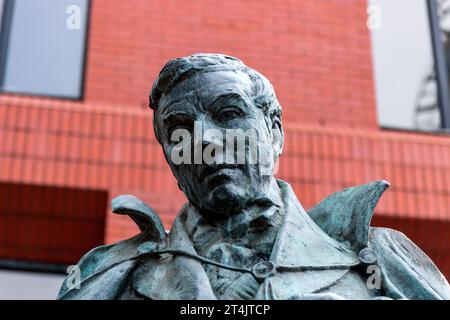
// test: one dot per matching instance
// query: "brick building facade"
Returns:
(317, 54)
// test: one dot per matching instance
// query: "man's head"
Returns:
(220, 95)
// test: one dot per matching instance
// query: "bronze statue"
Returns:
(243, 234)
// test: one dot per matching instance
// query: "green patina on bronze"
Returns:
(243, 234)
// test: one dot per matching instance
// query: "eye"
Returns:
(185, 125)
(229, 114)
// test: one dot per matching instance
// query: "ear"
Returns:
(277, 138)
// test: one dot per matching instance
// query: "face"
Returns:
(219, 177)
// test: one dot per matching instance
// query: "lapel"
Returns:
(300, 242)
(174, 277)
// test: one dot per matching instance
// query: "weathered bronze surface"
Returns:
(243, 234)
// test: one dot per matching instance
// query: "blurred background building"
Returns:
(363, 85)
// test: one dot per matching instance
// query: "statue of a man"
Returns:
(243, 234)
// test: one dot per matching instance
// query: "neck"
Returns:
(253, 227)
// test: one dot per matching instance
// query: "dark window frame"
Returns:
(5, 31)
(440, 65)
(31, 266)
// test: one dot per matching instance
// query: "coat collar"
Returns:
(345, 215)
(298, 242)
(301, 242)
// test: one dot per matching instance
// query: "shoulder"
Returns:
(109, 264)
(407, 271)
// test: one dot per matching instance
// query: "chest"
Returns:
(347, 283)
(344, 284)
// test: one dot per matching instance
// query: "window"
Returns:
(1, 12)
(42, 47)
(411, 51)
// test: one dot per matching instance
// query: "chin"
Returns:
(226, 199)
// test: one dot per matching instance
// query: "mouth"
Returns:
(214, 175)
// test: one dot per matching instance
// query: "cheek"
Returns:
(176, 168)
(265, 143)
(183, 172)
(168, 155)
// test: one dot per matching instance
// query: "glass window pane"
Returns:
(404, 66)
(1, 14)
(441, 20)
(45, 56)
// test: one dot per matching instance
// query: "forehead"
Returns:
(204, 88)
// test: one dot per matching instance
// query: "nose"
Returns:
(212, 134)
(209, 146)
(212, 139)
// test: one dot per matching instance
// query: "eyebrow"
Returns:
(173, 114)
(182, 99)
(175, 108)
(228, 95)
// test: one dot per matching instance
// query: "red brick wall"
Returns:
(317, 55)
(43, 224)
(306, 48)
